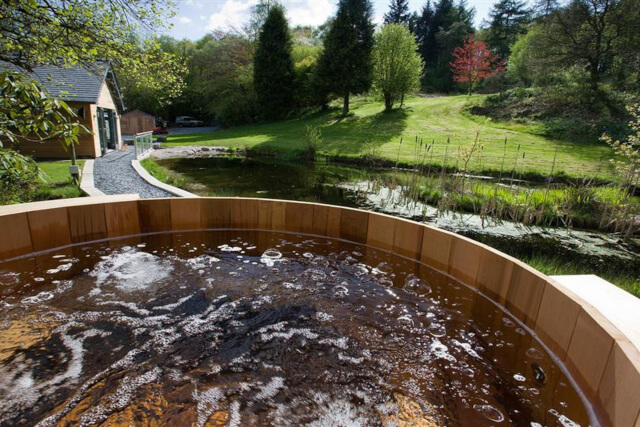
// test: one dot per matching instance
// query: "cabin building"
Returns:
(93, 94)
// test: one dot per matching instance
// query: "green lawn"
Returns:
(369, 131)
(58, 183)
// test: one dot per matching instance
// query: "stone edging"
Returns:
(87, 183)
(591, 326)
(161, 185)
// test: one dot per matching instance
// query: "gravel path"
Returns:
(113, 174)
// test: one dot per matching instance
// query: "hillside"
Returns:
(433, 120)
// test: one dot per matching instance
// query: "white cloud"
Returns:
(310, 12)
(234, 13)
(195, 4)
(184, 20)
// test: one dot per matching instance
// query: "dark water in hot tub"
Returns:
(255, 328)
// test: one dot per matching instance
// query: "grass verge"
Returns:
(434, 129)
(58, 182)
(162, 174)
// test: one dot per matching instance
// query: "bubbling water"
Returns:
(255, 328)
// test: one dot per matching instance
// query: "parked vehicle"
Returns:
(188, 121)
(160, 130)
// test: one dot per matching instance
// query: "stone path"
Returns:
(113, 174)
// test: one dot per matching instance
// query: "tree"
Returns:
(397, 66)
(439, 30)
(27, 113)
(508, 20)
(590, 34)
(345, 65)
(474, 62)
(398, 13)
(273, 72)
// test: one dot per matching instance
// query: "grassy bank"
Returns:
(58, 183)
(441, 127)
(162, 174)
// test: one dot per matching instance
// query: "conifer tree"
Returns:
(345, 66)
(398, 13)
(274, 73)
(509, 19)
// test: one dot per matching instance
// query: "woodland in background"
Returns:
(571, 67)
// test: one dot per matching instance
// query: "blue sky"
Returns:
(195, 18)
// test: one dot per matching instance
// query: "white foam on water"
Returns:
(323, 317)
(202, 262)
(208, 402)
(304, 332)
(170, 307)
(36, 299)
(131, 271)
(294, 286)
(342, 343)
(121, 398)
(466, 347)
(130, 305)
(340, 413)
(519, 377)
(350, 359)
(9, 278)
(235, 418)
(227, 248)
(490, 413)
(270, 257)
(271, 389)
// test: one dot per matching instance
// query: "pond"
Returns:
(396, 192)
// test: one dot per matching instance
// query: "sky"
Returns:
(195, 18)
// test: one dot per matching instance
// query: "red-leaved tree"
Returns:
(474, 62)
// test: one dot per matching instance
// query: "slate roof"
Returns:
(68, 84)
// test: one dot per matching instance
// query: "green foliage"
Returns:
(219, 80)
(345, 66)
(274, 72)
(162, 174)
(508, 20)
(313, 136)
(627, 161)
(590, 34)
(397, 67)
(19, 175)
(76, 31)
(439, 30)
(563, 111)
(28, 114)
(398, 13)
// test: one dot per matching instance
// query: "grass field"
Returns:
(434, 120)
(58, 183)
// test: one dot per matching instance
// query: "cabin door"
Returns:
(107, 130)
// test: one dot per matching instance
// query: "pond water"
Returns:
(382, 190)
(254, 328)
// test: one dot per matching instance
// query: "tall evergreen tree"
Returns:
(440, 29)
(509, 19)
(398, 13)
(274, 73)
(345, 66)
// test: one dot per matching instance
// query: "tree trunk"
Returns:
(388, 102)
(345, 106)
(401, 100)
